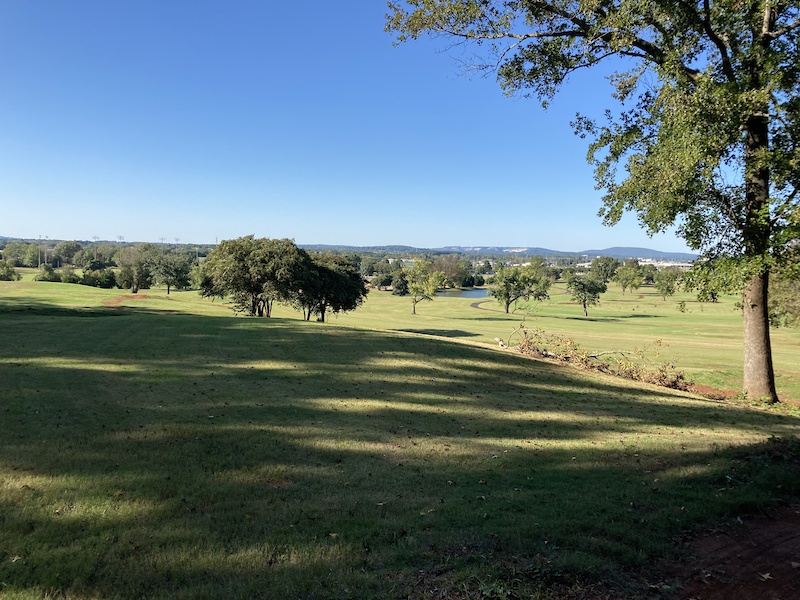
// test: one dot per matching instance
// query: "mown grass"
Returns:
(705, 340)
(163, 448)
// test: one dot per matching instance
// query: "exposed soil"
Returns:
(115, 302)
(758, 559)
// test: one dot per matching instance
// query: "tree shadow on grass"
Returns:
(453, 333)
(24, 306)
(168, 456)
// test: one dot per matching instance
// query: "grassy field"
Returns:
(705, 340)
(160, 447)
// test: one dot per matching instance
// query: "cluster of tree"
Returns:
(457, 270)
(25, 254)
(139, 267)
(256, 273)
(706, 137)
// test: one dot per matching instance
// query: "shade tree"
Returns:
(706, 138)
(329, 284)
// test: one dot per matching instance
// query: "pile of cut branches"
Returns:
(635, 365)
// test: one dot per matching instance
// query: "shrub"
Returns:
(47, 273)
(68, 275)
(8, 272)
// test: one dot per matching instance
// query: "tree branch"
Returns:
(727, 68)
(783, 30)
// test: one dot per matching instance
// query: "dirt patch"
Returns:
(757, 559)
(114, 302)
(712, 393)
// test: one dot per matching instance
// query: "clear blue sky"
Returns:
(205, 120)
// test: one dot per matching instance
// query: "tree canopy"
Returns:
(422, 282)
(512, 284)
(255, 273)
(330, 283)
(707, 136)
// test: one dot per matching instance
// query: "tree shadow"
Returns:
(453, 333)
(174, 455)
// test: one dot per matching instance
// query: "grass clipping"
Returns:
(635, 365)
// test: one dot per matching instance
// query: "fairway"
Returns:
(705, 340)
(158, 446)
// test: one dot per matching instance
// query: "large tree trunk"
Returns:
(759, 376)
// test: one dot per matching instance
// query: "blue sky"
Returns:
(204, 120)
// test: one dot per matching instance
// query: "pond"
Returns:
(463, 293)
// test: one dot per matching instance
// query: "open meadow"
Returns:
(159, 446)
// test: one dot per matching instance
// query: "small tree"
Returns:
(137, 266)
(628, 277)
(604, 268)
(172, 270)
(586, 290)
(422, 282)
(399, 283)
(512, 284)
(68, 275)
(666, 281)
(453, 269)
(65, 252)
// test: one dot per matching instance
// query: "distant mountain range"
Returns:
(616, 252)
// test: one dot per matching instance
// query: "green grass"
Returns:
(162, 448)
(705, 341)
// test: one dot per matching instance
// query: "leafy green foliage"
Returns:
(172, 270)
(422, 282)
(8, 272)
(784, 306)
(707, 136)
(628, 278)
(65, 251)
(666, 281)
(586, 291)
(255, 273)
(604, 268)
(512, 284)
(138, 266)
(331, 283)
(47, 273)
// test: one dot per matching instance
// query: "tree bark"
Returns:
(759, 375)
(759, 378)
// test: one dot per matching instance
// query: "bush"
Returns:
(47, 273)
(68, 275)
(8, 272)
(102, 278)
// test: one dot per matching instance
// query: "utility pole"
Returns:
(95, 238)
